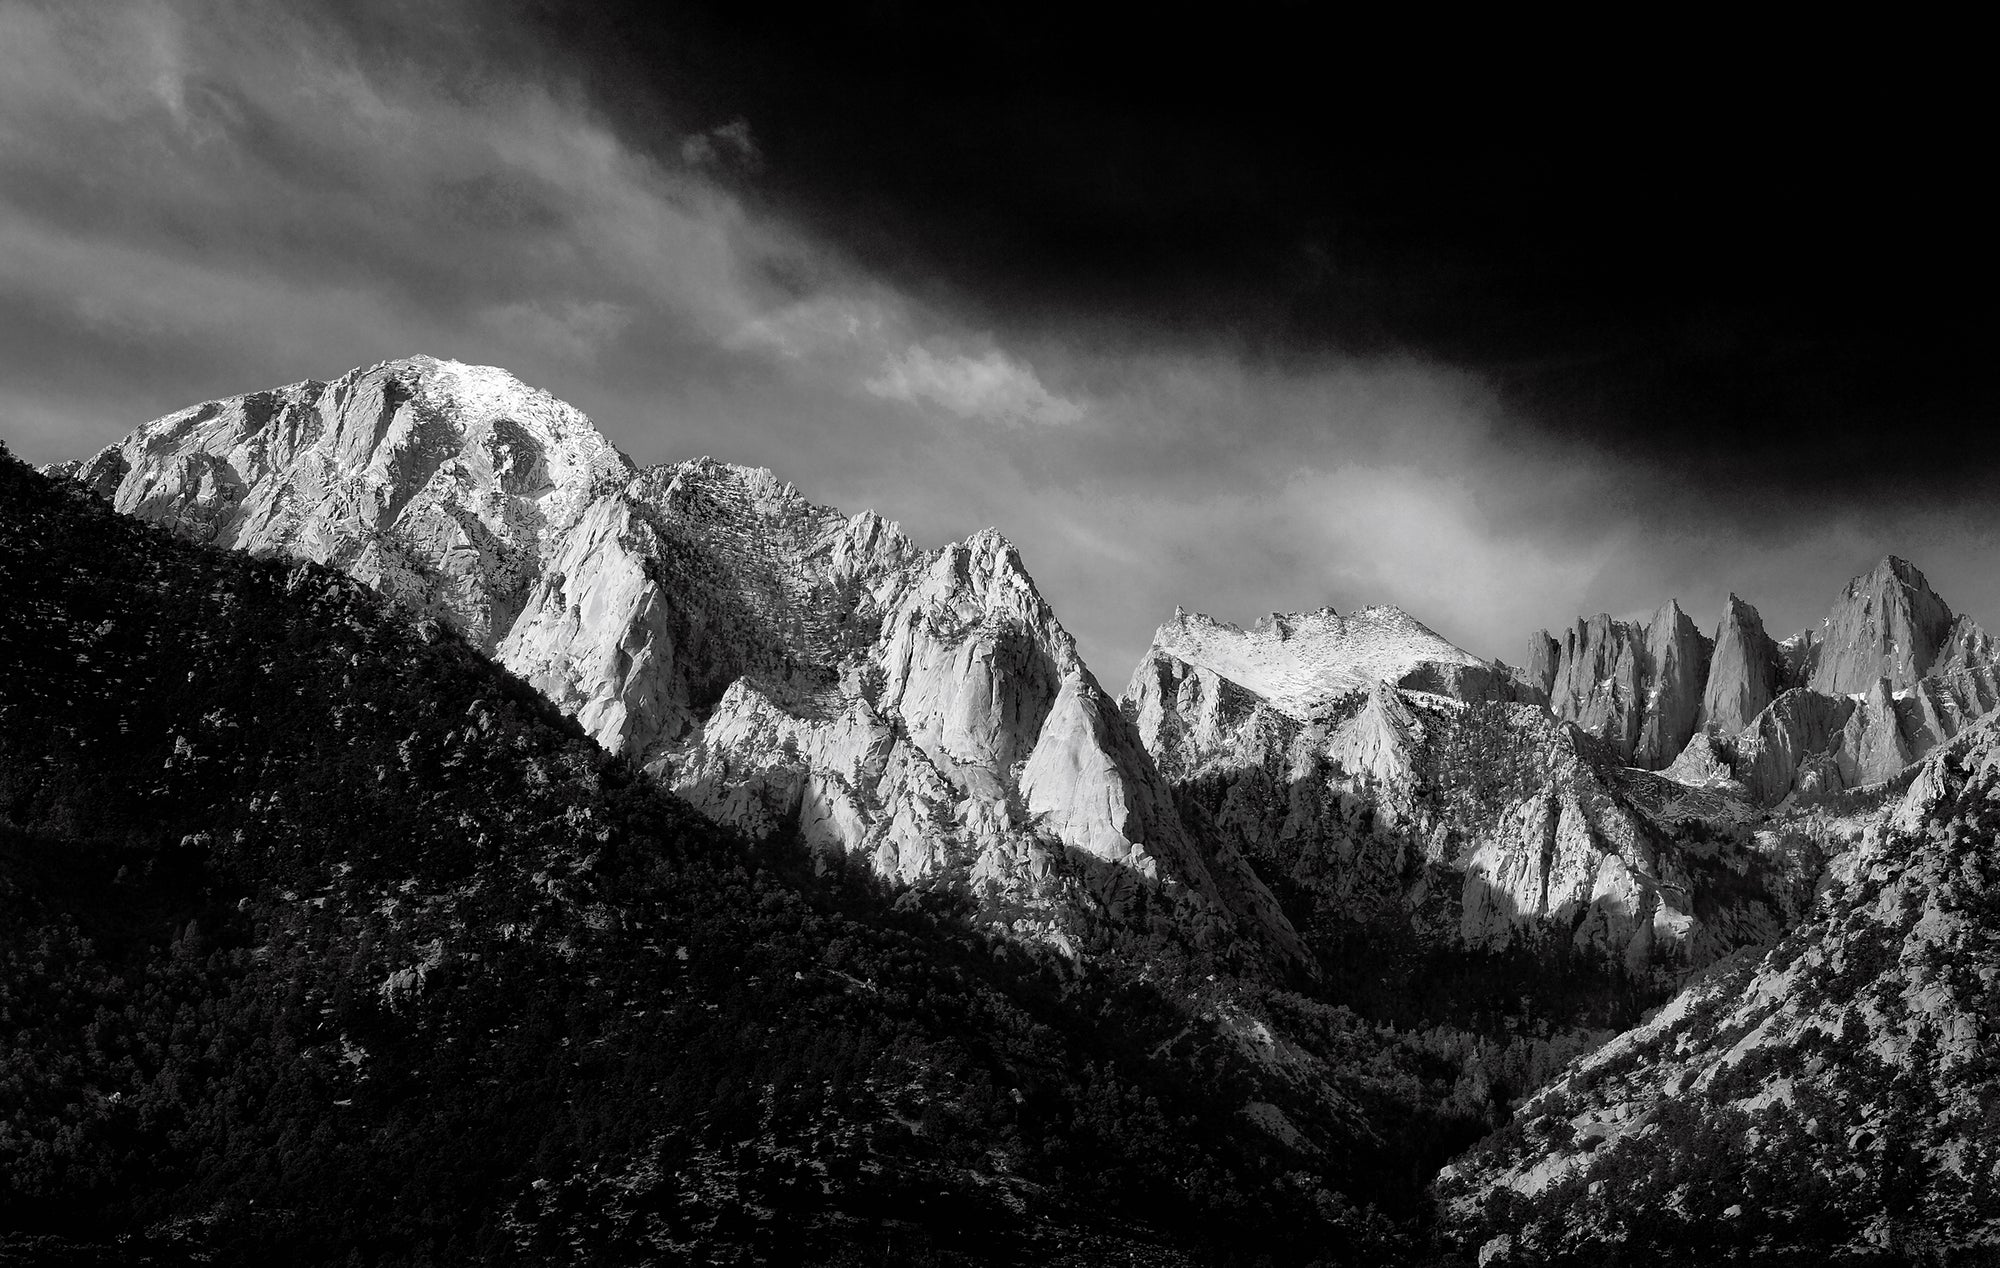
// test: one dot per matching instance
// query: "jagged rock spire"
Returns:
(1636, 687)
(1886, 624)
(1745, 674)
(1599, 683)
(1677, 660)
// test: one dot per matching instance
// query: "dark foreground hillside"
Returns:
(1835, 1100)
(322, 940)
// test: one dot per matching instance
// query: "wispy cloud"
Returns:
(173, 169)
(991, 387)
(199, 199)
(834, 328)
(731, 143)
(578, 329)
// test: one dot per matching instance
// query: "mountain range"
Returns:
(1495, 868)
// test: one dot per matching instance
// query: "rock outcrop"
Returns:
(1372, 800)
(1889, 675)
(1872, 747)
(1831, 1096)
(1296, 660)
(1746, 672)
(443, 485)
(1799, 657)
(1886, 677)
(786, 667)
(1773, 754)
(1600, 681)
(1638, 689)
(1964, 680)
(1536, 680)
(1887, 624)
(1677, 661)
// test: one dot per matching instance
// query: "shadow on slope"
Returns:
(325, 941)
(1491, 998)
(1833, 1099)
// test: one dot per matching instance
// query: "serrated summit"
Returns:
(782, 665)
(1889, 674)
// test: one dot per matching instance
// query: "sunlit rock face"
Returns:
(1536, 678)
(1773, 751)
(1888, 676)
(1745, 673)
(1677, 660)
(1886, 625)
(786, 667)
(1600, 680)
(1637, 688)
(441, 484)
(1323, 749)
(1297, 660)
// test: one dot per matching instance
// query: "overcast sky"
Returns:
(1200, 308)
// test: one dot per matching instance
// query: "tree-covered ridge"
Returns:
(324, 940)
(1836, 1099)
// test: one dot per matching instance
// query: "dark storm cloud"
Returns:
(1751, 264)
(1187, 333)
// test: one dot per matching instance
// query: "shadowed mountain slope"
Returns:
(325, 937)
(1835, 1099)
(1380, 779)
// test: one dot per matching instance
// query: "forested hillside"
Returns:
(322, 940)
(1835, 1099)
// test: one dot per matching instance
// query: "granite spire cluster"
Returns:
(1887, 675)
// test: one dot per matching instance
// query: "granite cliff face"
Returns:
(443, 485)
(1745, 673)
(1536, 680)
(1678, 656)
(1888, 675)
(1636, 688)
(784, 666)
(1885, 625)
(1599, 681)
(1371, 785)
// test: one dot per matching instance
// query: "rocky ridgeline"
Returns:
(1300, 661)
(1889, 675)
(791, 669)
(442, 485)
(1635, 687)
(1835, 1096)
(1375, 774)
(785, 667)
